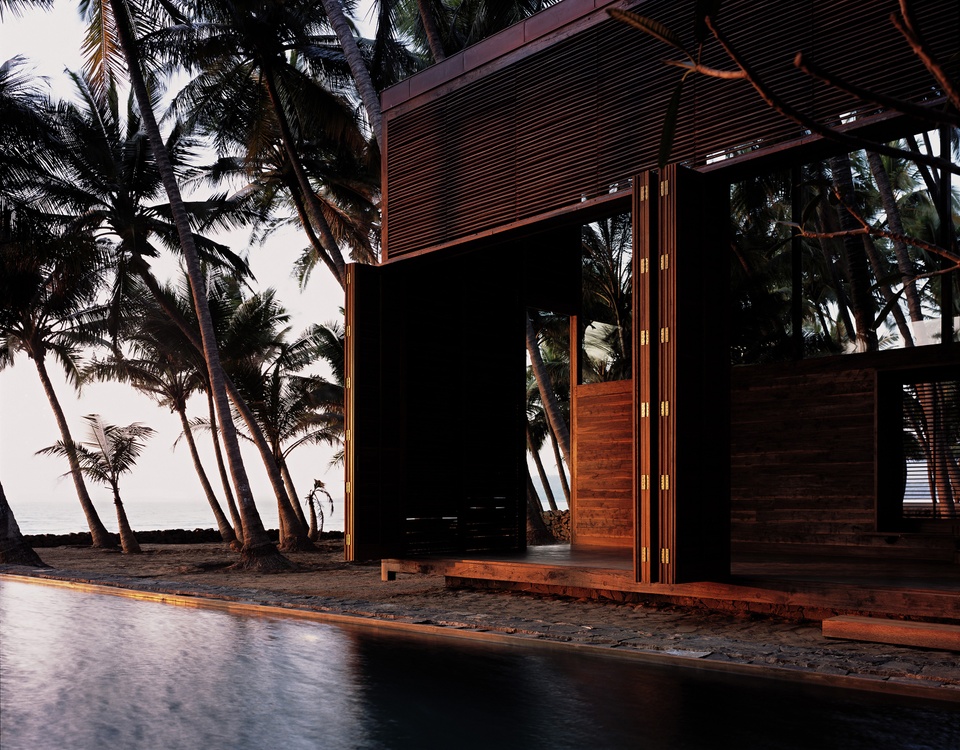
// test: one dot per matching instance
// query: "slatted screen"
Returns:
(931, 427)
(586, 113)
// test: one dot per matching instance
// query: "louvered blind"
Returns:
(583, 115)
(931, 424)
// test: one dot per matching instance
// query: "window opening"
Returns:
(866, 229)
(931, 449)
(607, 312)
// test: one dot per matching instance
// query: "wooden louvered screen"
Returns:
(576, 118)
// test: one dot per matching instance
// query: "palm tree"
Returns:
(164, 366)
(113, 40)
(49, 283)
(14, 549)
(245, 54)
(108, 452)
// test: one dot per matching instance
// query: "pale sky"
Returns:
(51, 40)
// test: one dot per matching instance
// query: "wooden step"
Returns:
(899, 632)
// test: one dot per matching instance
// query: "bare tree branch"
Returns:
(936, 116)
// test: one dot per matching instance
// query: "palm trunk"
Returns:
(547, 395)
(537, 531)
(548, 491)
(292, 492)
(128, 542)
(312, 205)
(14, 549)
(223, 525)
(358, 67)
(98, 532)
(258, 551)
(314, 532)
(892, 210)
(299, 540)
(222, 470)
(564, 484)
(431, 31)
(857, 271)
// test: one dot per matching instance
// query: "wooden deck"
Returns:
(807, 586)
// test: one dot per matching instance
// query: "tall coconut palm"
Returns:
(115, 30)
(247, 52)
(164, 366)
(49, 286)
(108, 452)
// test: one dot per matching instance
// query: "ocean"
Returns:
(62, 517)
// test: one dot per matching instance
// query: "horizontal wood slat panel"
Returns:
(579, 117)
(603, 506)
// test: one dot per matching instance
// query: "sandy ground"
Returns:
(325, 583)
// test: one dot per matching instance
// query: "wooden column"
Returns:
(645, 243)
(682, 378)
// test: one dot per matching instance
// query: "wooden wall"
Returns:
(802, 454)
(806, 457)
(603, 504)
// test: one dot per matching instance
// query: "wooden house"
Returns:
(696, 476)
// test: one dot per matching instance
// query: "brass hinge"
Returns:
(643, 193)
(665, 555)
(346, 539)
(644, 338)
(664, 261)
(664, 408)
(664, 335)
(664, 481)
(645, 409)
(644, 265)
(643, 554)
(346, 487)
(347, 332)
(349, 275)
(347, 434)
(644, 482)
(664, 187)
(348, 383)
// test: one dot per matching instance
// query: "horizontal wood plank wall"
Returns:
(802, 455)
(603, 476)
(577, 118)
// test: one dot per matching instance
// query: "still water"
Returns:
(91, 671)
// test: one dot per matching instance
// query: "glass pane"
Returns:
(606, 321)
(931, 440)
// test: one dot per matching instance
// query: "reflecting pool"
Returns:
(89, 671)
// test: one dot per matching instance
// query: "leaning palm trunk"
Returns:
(258, 551)
(295, 538)
(128, 541)
(537, 531)
(547, 395)
(292, 492)
(547, 490)
(358, 68)
(14, 549)
(431, 31)
(564, 484)
(311, 204)
(98, 532)
(223, 525)
(222, 470)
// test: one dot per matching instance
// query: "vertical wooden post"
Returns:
(646, 545)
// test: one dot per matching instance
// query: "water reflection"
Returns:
(89, 671)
